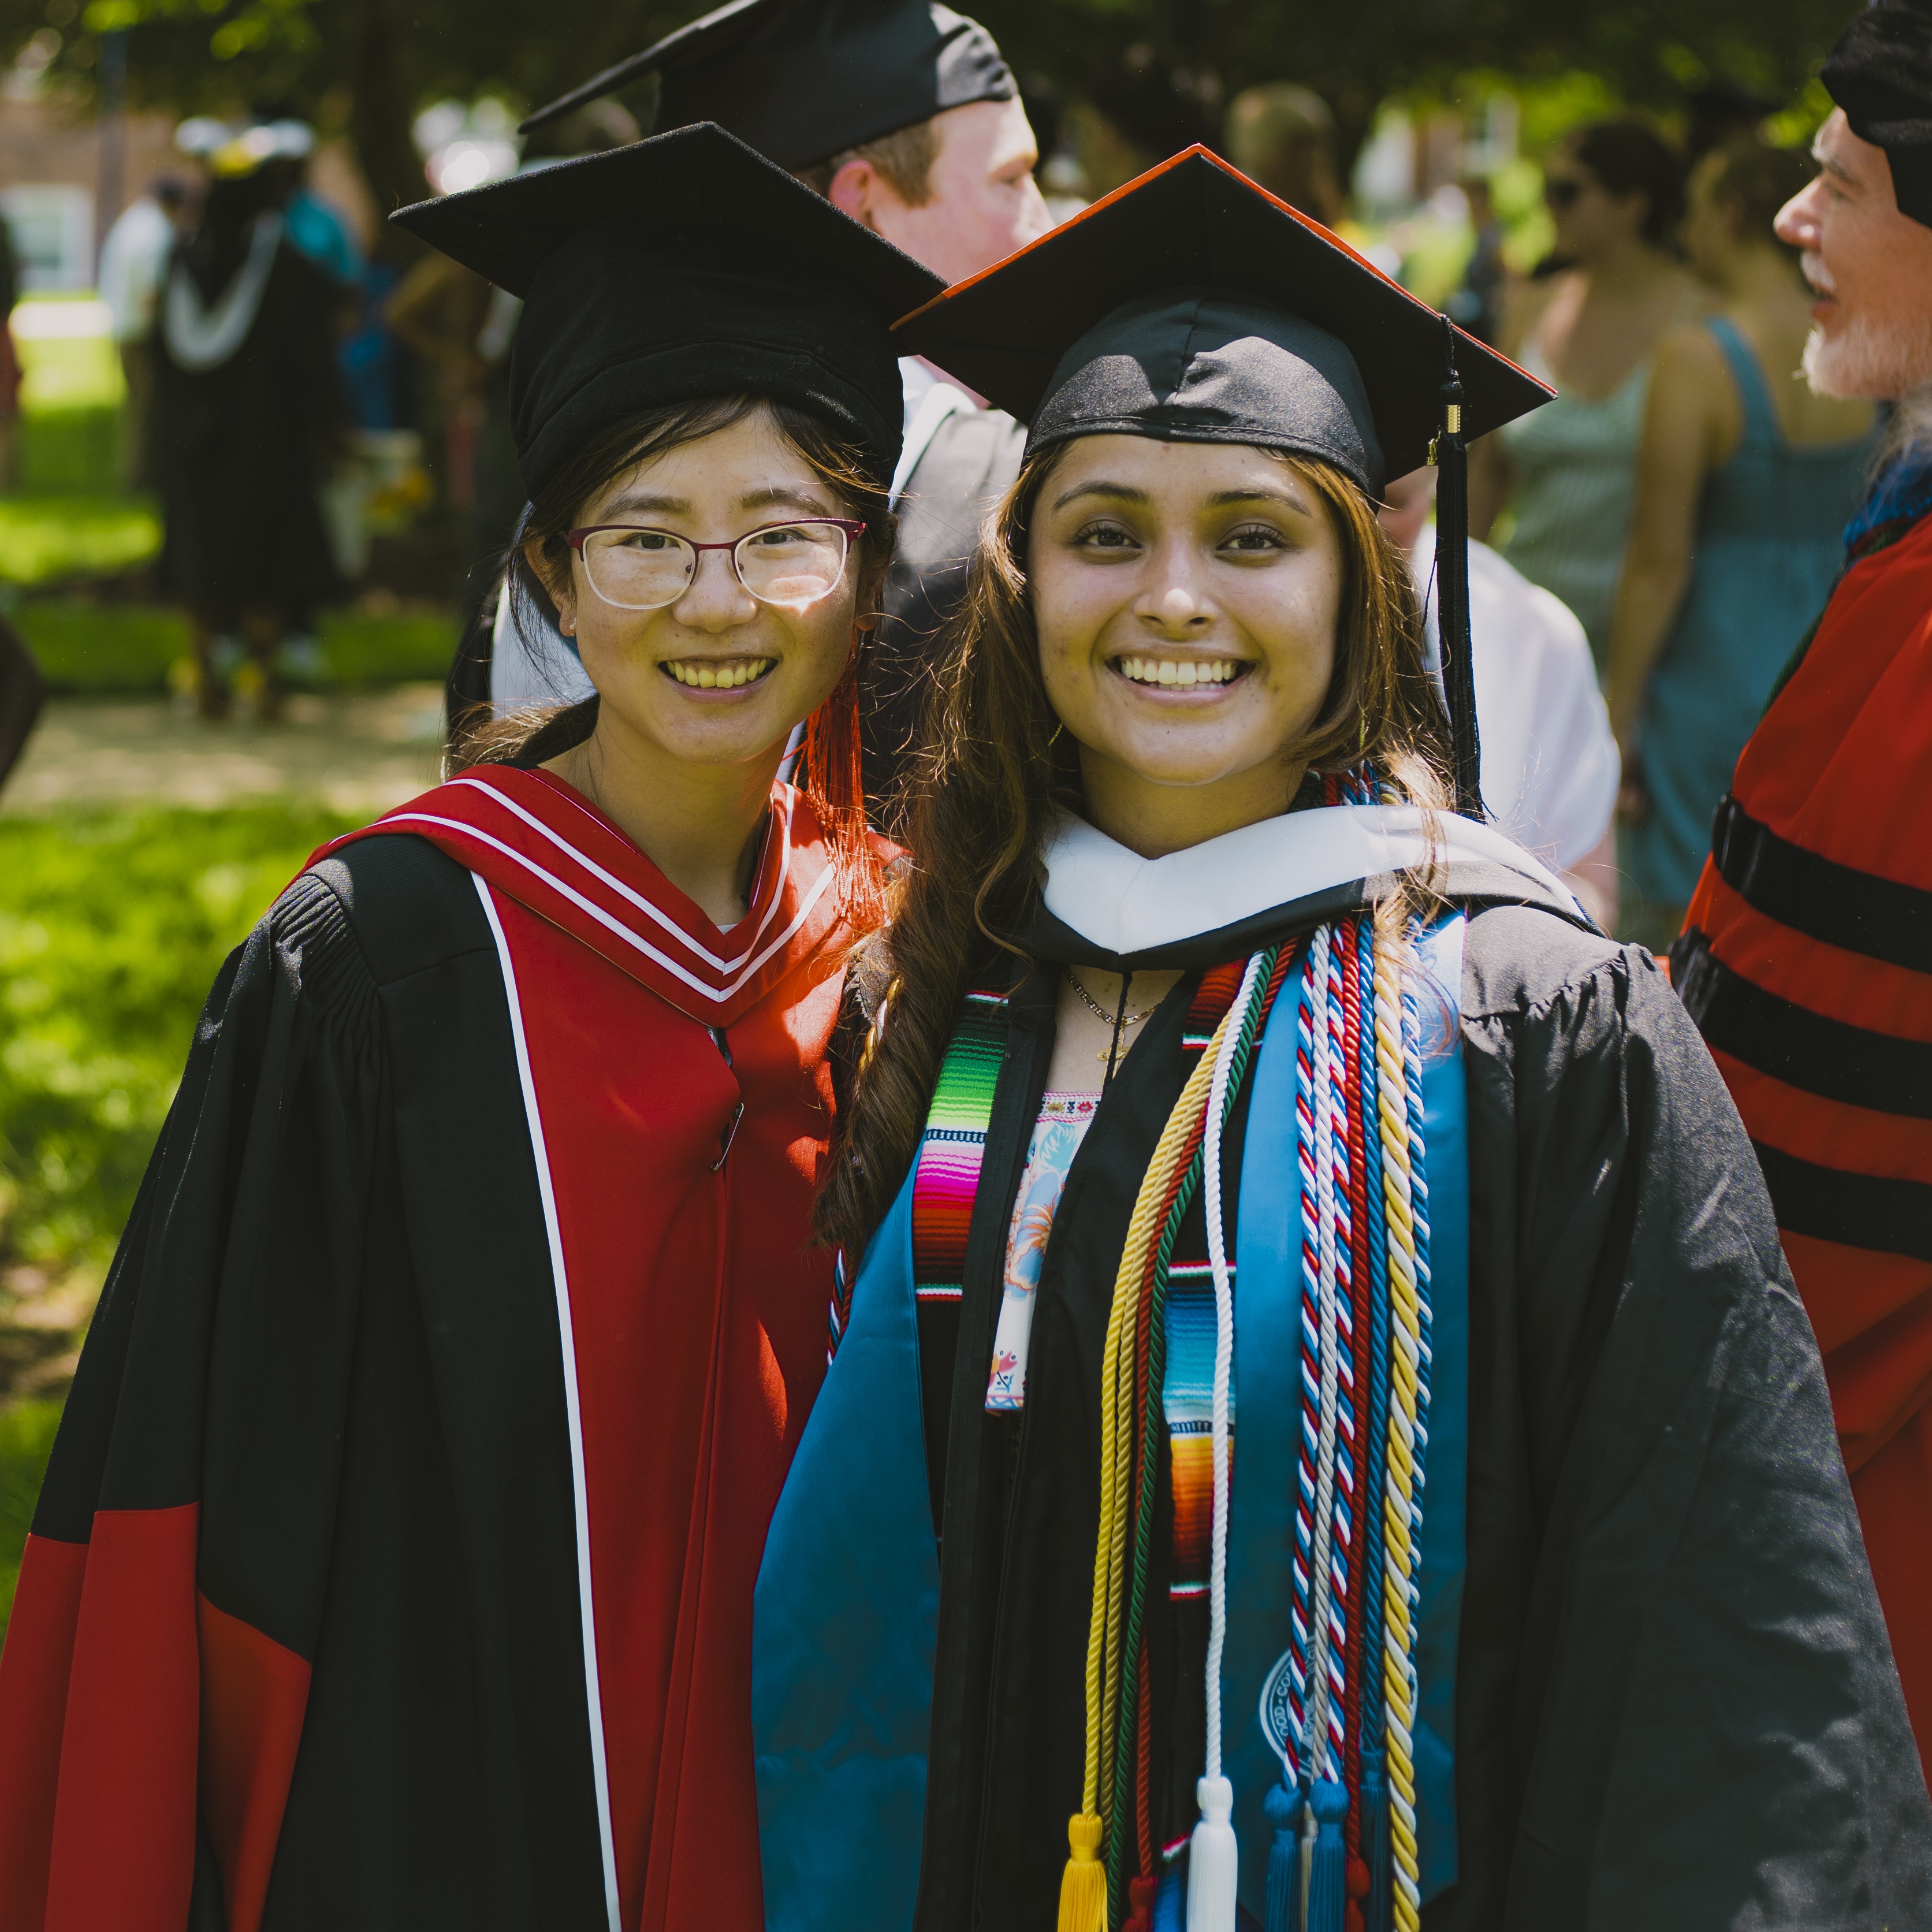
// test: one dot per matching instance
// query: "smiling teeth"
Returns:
(1166, 670)
(708, 676)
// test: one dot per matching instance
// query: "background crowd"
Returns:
(1596, 199)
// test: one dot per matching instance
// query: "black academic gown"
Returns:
(380, 1447)
(242, 449)
(1659, 1521)
(972, 458)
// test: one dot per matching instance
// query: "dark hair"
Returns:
(904, 158)
(993, 765)
(541, 731)
(1628, 157)
(1757, 180)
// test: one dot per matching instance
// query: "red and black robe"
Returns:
(394, 1564)
(1806, 961)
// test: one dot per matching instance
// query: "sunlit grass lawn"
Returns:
(105, 648)
(44, 539)
(26, 1435)
(112, 925)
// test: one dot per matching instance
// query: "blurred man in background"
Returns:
(1550, 763)
(1806, 957)
(133, 265)
(902, 113)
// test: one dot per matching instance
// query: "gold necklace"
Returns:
(1115, 1027)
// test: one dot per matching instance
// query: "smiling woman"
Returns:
(1225, 1076)
(618, 543)
(395, 1558)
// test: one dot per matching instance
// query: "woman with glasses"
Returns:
(1588, 327)
(1321, 1436)
(394, 1564)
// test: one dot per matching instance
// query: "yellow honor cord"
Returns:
(1117, 1500)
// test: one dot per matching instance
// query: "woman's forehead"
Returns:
(1175, 470)
(750, 457)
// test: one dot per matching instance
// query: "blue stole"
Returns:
(846, 1615)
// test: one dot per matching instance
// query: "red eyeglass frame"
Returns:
(854, 531)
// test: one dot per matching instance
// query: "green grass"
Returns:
(26, 1439)
(106, 648)
(69, 372)
(112, 926)
(45, 537)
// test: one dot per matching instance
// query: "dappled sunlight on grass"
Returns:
(44, 539)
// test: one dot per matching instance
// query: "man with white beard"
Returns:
(1806, 957)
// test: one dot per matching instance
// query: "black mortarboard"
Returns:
(678, 268)
(1193, 307)
(802, 80)
(1880, 73)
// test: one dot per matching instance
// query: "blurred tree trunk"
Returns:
(380, 121)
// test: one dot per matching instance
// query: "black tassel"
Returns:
(1452, 588)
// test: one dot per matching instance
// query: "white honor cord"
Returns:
(1224, 1356)
(1316, 1744)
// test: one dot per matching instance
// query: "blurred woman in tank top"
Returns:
(1745, 479)
(1565, 472)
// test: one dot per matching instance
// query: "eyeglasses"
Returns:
(793, 564)
(1561, 191)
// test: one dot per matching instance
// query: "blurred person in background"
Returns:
(246, 405)
(1566, 472)
(1745, 477)
(1477, 303)
(463, 328)
(134, 263)
(1806, 958)
(23, 690)
(1550, 763)
(10, 363)
(1283, 137)
(903, 114)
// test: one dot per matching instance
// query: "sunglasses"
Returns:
(1562, 191)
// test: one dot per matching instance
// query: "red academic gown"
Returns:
(1807, 959)
(663, 1095)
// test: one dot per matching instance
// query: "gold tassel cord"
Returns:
(1082, 1908)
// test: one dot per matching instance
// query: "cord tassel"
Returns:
(1141, 1893)
(1452, 580)
(1328, 1871)
(1083, 1885)
(1375, 1837)
(1283, 1806)
(1213, 1863)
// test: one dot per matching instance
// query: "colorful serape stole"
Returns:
(953, 1147)
(1187, 1388)
(1344, 1854)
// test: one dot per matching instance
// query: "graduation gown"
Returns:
(243, 447)
(1806, 961)
(1673, 1702)
(966, 466)
(394, 1563)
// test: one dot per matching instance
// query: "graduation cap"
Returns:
(1880, 73)
(679, 267)
(802, 80)
(1193, 307)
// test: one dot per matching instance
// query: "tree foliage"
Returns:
(1162, 68)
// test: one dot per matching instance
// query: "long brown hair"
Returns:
(832, 779)
(995, 766)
